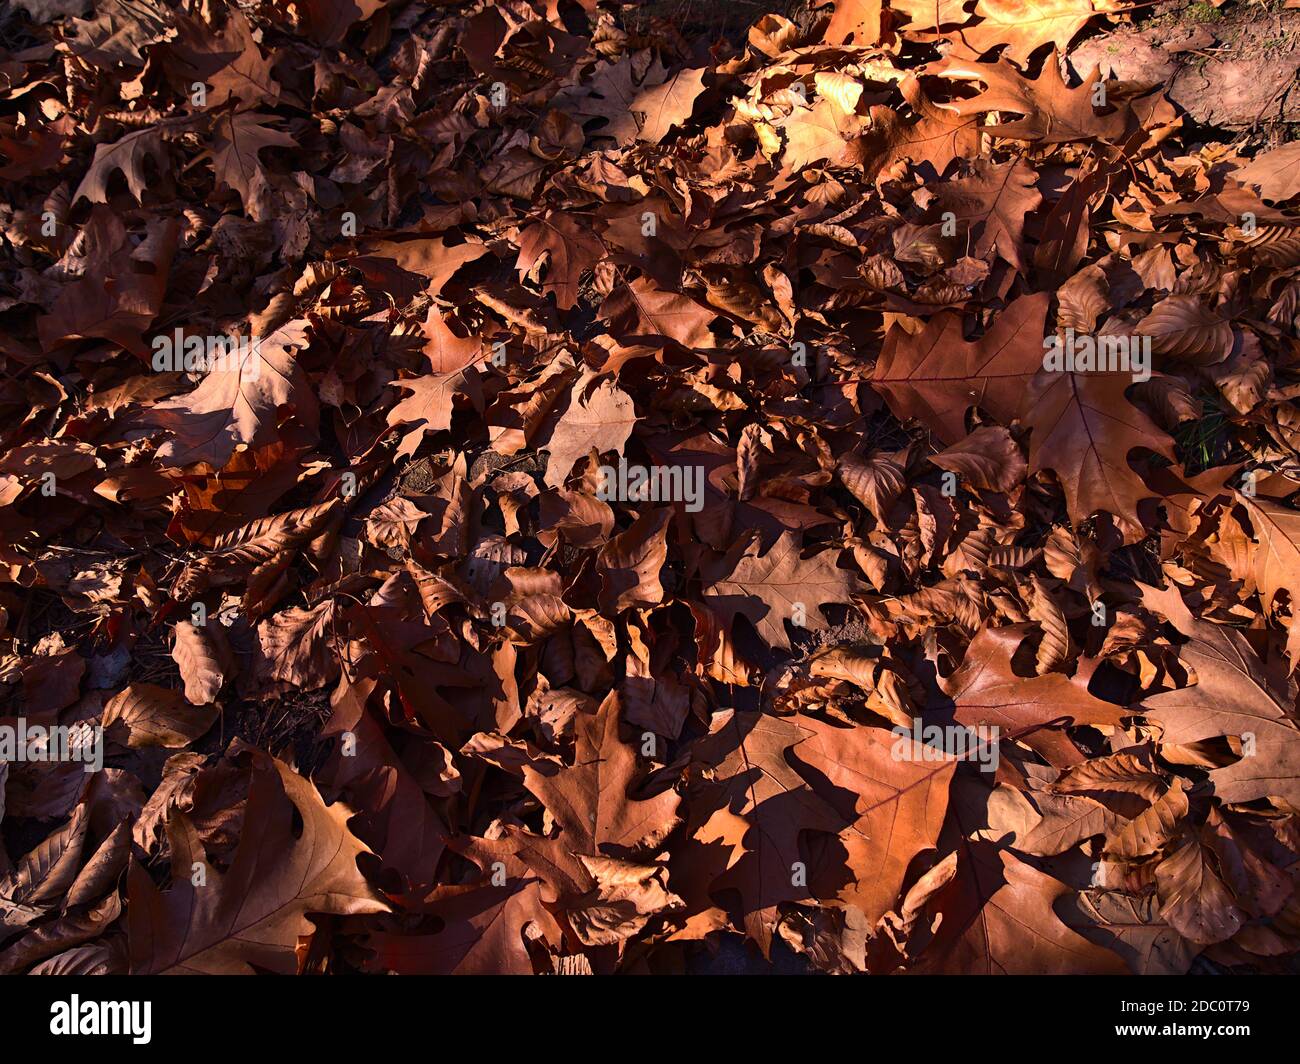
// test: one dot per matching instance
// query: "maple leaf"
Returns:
(778, 586)
(430, 405)
(1083, 426)
(252, 914)
(1231, 696)
(642, 309)
(1276, 564)
(589, 799)
(413, 657)
(894, 805)
(483, 933)
(600, 416)
(935, 376)
(998, 919)
(668, 105)
(938, 136)
(229, 60)
(612, 93)
(122, 290)
(817, 134)
(986, 691)
(1084, 429)
(238, 404)
(569, 247)
(395, 817)
(992, 206)
(762, 807)
(990, 913)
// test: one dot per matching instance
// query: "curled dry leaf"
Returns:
(147, 715)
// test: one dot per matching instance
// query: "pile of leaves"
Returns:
(389, 679)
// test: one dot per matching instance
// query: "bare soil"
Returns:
(1233, 67)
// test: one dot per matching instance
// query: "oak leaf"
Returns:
(1026, 25)
(238, 141)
